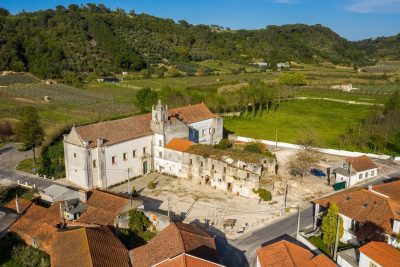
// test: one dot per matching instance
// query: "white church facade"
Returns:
(104, 154)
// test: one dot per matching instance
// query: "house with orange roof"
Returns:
(355, 170)
(379, 205)
(106, 153)
(284, 253)
(379, 254)
(178, 244)
(88, 246)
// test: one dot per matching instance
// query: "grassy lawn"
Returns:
(294, 118)
(27, 165)
(317, 241)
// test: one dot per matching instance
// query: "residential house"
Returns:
(379, 254)
(187, 260)
(175, 243)
(378, 204)
(288, 254)
(235, 171)
(355, 170)
(103, 154)
(55, 193)
(344, 87)
(88, 247)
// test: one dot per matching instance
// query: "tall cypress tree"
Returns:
(329, 224)
(29, 131)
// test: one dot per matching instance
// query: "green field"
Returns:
(296, 117)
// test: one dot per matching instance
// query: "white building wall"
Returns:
(118, 172)
(210, 131)
(76, 162)
(365, 261)
(357, 177)
(348, 236)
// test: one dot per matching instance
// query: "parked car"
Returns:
(318, 173)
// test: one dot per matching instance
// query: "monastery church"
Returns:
(106, 153)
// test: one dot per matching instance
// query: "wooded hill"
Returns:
(70, 42)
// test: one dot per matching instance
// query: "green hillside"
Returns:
(71, 43)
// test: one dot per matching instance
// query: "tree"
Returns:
(145, 98)
(138, 222)
(223, 144)
(29, 131)
(4, 12)
(254, 147)
(301, 162)
(28, 256)
(329, 226)
(307, 142)
(296, 78)
(263, 194)
(6, 130)
(369, 231)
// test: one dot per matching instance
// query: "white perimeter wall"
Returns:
(343, 153)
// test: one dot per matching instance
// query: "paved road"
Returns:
(13, 176)
(242, 252)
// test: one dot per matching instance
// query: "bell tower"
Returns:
(159, 117)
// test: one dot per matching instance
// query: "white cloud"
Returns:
(375, 6)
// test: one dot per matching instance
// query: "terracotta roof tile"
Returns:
(88, 247)
(38, 224)
(116, 131)
(179, 144)
(363, 205)
(23, 204)
(382, 253)
(287, 254)
(392, 190)
(361, 163)
(175, 239)
(185, 260)
(103, 207)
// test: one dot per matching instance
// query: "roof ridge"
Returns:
(108, 121)
(180, 237)
(288, 252)
(86, 242)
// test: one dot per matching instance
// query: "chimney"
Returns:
(82, 196)
(99, 142)
(17, 204)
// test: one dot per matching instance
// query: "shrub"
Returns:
(263, 194)
(254, 148)
(138, 222)
(223, 144)
(151, 185)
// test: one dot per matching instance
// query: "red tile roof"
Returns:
(363, 205)
(116, 131)
(175, 239)
(38, 224)
(286, 254)
(361, 163)
(186, 260)
(24, 204)
(382, 253)
(391, 190)
(91, 247)
(103, 207)
(179, 144)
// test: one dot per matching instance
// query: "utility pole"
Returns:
(298, 222)
(286, 192)
(129, 189)
(336, 238)
(169, 218)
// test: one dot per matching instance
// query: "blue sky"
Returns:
(352, 19)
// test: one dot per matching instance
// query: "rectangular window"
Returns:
(212, 167)
(134, 153)
(114, 160)
(125, 156)
(159, 143)
(203, 132)
(190, 161)
(74, 155)
(360, 176)
(144, 150)
(160, 154)
(248, 175)
(372, 173)
(94, 164)
(366, 175)
(224, 169)
(209, 130)
(201, 164)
